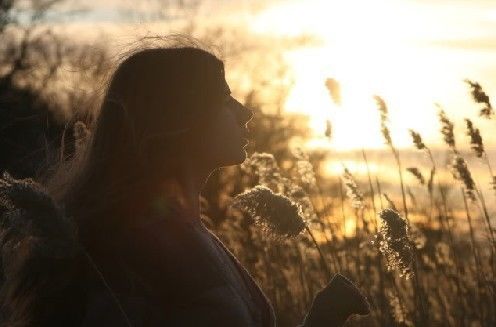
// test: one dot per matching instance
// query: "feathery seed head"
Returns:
(475, 138)
(383, 110)
(275, 213)
(417, 140)
(305, 169)
(334, 89)
(416, 172)
(481, 97)
(447, 128)
(352, 190)
(381, 105)
(265, 166)
(461, 173)
(394, 242)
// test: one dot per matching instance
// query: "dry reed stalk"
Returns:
(378, 184)
(358, 204)
(399, 250)
(411, 196)
(378, 263)
(301, 274)
(477, 261)
(477, 145)
(447, 130)
(420, 145)
(398, 310)
(485, 213)
(352, 190)
(389, 202)
(371, 189)
(462, 173)
(305, 169)
(383, 110)
(341, 202)
(452, 247)
(307, 177)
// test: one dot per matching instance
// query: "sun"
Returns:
(370, 51)
(354, 122)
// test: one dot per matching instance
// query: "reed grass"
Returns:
(450, 268)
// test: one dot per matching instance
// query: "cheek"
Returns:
(221, 143)
(222, 129)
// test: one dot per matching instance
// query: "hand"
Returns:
(335, 303)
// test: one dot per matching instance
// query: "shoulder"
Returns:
(170, 257)
(267, 314)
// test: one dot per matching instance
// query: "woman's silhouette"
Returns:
(166, 122)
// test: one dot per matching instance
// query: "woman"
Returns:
(166, 122)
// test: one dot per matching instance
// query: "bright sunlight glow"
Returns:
(371, 47)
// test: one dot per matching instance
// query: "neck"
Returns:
(181, 192)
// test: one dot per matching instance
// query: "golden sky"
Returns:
(414, 53)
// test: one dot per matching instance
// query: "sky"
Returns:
(413, 53)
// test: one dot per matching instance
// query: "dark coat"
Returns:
(169, 271)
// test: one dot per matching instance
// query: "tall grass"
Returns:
(447, 249)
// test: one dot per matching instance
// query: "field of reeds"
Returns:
(419, 245)
(423, 257)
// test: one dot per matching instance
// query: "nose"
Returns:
(244, 114)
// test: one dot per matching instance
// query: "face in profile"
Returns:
(225, 135)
